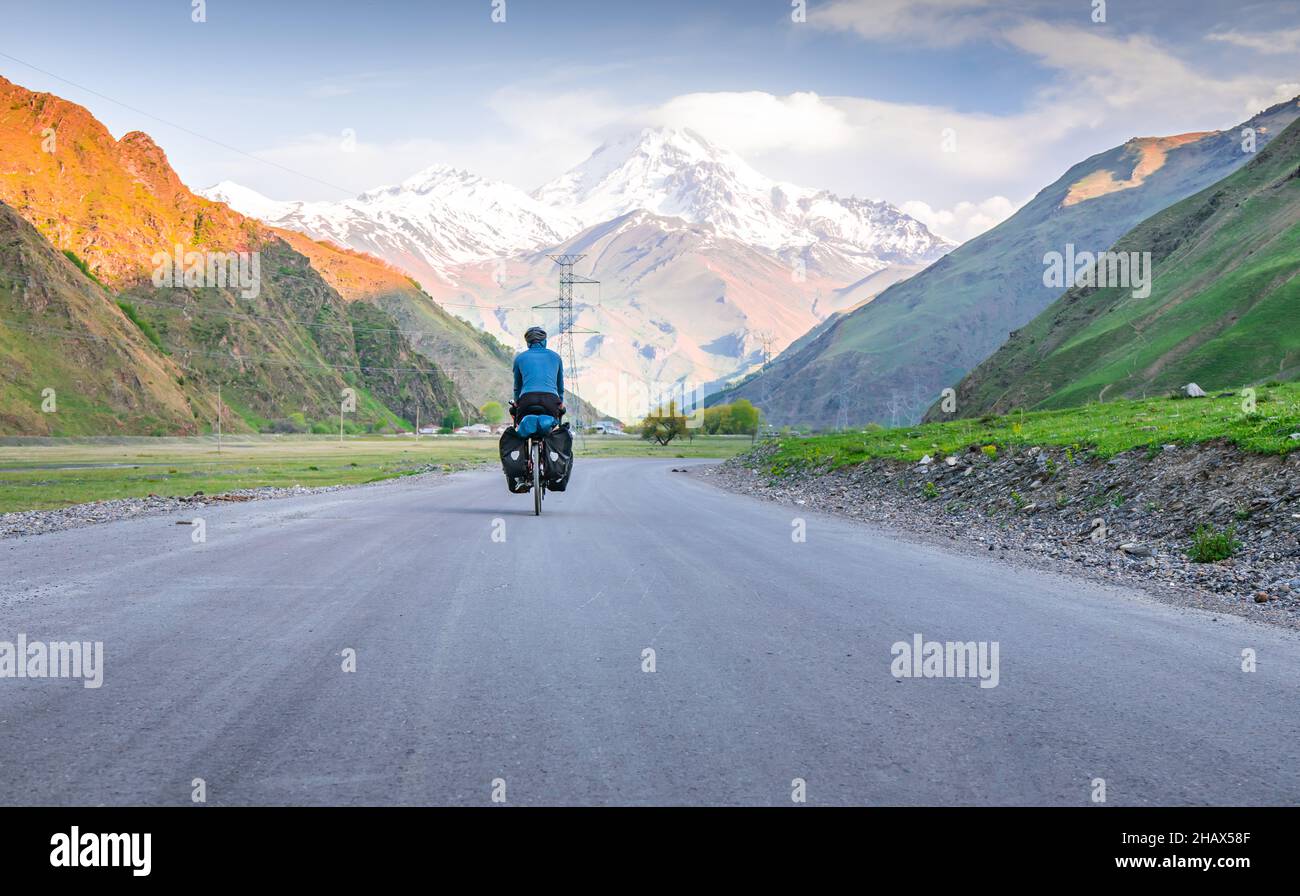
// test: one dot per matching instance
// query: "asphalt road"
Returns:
(523, 660)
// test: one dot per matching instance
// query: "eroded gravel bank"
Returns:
(1127, 520)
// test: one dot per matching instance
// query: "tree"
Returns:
(738, 418)
(744, 418)
(663, 425)
(493, 413)
(713, 418)
(453, 419)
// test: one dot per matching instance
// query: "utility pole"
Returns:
(766, 339)
(895, 405)
(563, 343)
(417, 421)
(220, 408)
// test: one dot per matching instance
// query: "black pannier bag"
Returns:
(514, 460)
(559, 458)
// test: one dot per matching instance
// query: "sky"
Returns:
(957, 111)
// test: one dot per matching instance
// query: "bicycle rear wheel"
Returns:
(535, 455)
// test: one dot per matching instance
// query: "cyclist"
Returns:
(539, 378)
(537, 408)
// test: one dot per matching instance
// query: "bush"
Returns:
(284, 427)
(143, 325)
(663, 424)
(738, 418)
(83, 267)
(1210, 545)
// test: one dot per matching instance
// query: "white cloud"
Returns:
(755, 123)
(329, 90)
(965, 220)
(545, 116)
(1269, 42)
(932, 22)
(1100, 71)
(317, 166)
(539, 135)
(1105, 73)
(1103, 88)
(874, 148)
(1281, 93)
(1108, 80)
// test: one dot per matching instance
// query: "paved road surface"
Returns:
(522, 660)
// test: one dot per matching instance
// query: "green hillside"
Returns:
(1224, 308)
(81, 229)
(474, 360)
(149, 360)
(61, 331)
(284, 357)
(889, 360)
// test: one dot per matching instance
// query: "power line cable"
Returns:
(179, 127)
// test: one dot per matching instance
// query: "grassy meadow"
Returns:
(1104, 429)
(37, 474)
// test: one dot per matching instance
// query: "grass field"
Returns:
(38, 474)
(1103, 429)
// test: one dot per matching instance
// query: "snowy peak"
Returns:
(447, 183)
(246, 201)
(445, 216)
(440, 176)
(643, 159)
(500, 217)
(437, 218)
(671, 172)
(678, 173)
(654, 164)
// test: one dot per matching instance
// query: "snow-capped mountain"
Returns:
(426, 225)
(678, 173)
(247, 202)
(698, 254)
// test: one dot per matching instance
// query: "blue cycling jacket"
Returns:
(539, 370)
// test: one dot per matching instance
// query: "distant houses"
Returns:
(474, 429)
(604, 427)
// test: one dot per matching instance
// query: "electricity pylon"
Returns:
(562, 343)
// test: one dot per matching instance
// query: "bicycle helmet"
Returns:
(534, 335)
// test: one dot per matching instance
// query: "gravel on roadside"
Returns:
(1127, 520)
(36, 522)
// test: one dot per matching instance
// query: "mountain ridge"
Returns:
(888, 361)
(288, 347)
(1224, 307)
